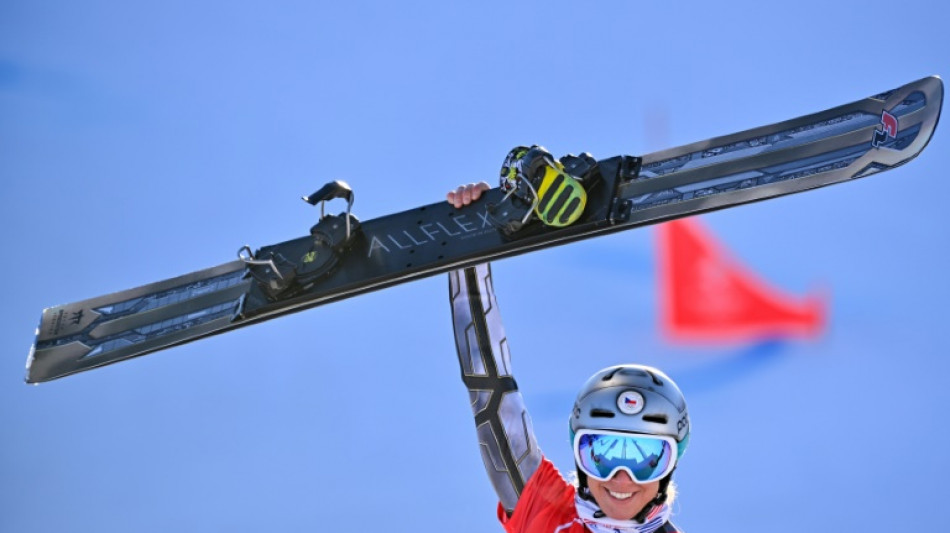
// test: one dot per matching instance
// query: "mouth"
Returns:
(619, 495)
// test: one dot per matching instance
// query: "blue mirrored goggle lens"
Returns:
(647, 458)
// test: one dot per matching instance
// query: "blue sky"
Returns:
(139, 142)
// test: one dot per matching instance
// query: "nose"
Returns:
(623, 476)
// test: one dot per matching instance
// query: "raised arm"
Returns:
(506, 438)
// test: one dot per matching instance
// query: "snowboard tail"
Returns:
(343, 257)
(90, 333)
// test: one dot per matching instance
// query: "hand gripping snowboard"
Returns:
(342, 257)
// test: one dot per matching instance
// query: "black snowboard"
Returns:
(343, 257)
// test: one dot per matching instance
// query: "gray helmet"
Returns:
(634, 398)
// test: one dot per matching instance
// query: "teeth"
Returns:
(620, 495)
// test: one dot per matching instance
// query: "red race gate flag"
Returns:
(706, 296)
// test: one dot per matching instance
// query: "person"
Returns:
(629, 427)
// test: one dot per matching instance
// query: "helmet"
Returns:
(608, 401)
(635, 399)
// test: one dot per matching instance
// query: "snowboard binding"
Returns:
(540, 188)
(279, 277)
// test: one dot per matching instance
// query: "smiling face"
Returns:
(620, 497)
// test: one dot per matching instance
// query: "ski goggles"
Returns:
(601, 453)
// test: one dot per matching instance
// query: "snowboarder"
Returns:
(629, 428)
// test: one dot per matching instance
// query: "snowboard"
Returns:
(342, 256)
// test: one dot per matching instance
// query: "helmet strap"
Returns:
(657, 500)
(582, 489)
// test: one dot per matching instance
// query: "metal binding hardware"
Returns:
(334, 189)
(630, 168)
(245, 255)
(534, 202)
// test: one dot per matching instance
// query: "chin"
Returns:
(622, 514)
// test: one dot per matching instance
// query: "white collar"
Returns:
(587, 509)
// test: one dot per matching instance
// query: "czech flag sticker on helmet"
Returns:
(630, 402)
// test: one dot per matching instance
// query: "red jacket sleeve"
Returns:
(546, 503)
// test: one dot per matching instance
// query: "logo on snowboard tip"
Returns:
(888, 130)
